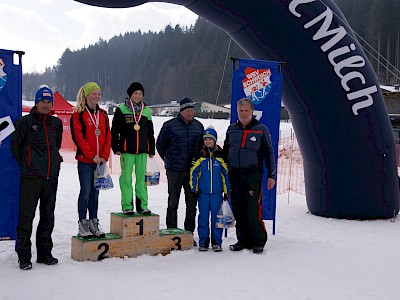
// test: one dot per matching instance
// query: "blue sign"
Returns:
(261, 81)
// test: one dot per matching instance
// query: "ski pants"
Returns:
(246, 195)
(209, 203)
(177, 180)
(31, 190)
(128, 161)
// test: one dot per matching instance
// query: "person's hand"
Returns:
(195, 194)
(271, 183)
(97, 159)
(118, 153)
(151, 155)
(226, 197)
(102, 160)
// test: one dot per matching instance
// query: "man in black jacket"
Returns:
(179, 140)
(247, 148)
(35, 145)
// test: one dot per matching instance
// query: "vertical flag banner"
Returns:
(10, 111)
(261, 81)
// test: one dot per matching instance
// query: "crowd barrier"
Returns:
(290, 165)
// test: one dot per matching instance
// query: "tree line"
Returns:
(189, 61)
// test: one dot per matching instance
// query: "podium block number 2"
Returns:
(102, 254)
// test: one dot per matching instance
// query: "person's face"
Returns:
(187, 114)
(209, 142)
(93, 98)
(137, 96)
(245, 114)
(44, 107)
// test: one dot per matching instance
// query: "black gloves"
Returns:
(195, 195)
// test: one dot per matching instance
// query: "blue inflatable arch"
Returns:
(331, 93)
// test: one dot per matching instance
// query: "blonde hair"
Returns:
(80, 101)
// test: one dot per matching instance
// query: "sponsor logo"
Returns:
(257, 84)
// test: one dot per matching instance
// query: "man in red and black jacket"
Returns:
(35, 145)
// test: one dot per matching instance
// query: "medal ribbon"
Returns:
(96, 124)
(134, 112)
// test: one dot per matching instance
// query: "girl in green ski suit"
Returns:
(132, 137)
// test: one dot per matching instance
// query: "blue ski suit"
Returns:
(209, 177)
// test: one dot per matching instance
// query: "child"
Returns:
(208, 180)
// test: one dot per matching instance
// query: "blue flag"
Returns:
(11, 108)
(261, 81)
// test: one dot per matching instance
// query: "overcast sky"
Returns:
(43, 29)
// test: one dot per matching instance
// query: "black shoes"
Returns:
(47, 260)
(258, 250)
(237, 247)
(25, 264)
(240, 247)
(129, 212)
(144, 212)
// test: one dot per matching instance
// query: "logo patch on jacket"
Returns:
(253, 139)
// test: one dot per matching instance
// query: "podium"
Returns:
(131, 236)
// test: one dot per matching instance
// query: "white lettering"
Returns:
(355, 61)
(362, 93)
(293, 5)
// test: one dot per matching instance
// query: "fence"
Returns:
(290, 165)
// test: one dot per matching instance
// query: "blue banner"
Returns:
(10, 111)
(261, 81)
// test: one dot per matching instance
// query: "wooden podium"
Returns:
(131, 235)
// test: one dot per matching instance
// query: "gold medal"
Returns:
(136, 127)
(97, 132)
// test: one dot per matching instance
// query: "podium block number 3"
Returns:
(178, 241)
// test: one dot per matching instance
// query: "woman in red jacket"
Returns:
(90, 128)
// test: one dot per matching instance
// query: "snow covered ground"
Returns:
(310, 257)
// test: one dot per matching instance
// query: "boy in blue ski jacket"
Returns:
(208, 180)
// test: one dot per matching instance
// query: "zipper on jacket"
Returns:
(29, 156)
(48, 147)
(210, 168)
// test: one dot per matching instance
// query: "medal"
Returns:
(97, 132)
(136, 127)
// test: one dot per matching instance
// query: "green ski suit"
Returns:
(134, 146)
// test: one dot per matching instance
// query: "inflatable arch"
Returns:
(331, 92)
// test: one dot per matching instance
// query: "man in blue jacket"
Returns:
(247, 147)
(179, 140)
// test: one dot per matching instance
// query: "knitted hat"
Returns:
(135, 86)
(210, 133)
(44, 93)
(90, 87)
(185, 103)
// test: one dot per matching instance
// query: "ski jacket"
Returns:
(209, 173)
(247, 147)
(84, 137)
(35, 145)
(178, 143)
(125, 138)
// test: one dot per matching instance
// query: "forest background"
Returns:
(191, 61)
